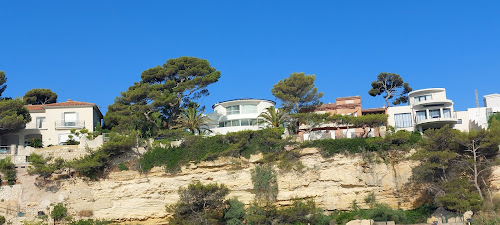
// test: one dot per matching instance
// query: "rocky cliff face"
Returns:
(334, 183)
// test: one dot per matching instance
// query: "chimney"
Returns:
(69, 100)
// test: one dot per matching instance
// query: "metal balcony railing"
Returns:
(70, 124)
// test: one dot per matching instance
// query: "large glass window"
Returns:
(237, 123)
(231, 110)
(403, 120)
(446, 113)
(248, 109)
(421, 115)
(435, 113)
(423, 98)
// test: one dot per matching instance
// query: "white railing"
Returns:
(70, 124)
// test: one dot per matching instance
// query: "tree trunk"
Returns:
(476, 174)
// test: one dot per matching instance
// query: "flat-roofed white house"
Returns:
(51, 123)
(237, 115)
(479, 116)
(427, 108)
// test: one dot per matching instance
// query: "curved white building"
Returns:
(237, 115)
(427, 108)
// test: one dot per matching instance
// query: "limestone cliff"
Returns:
(333, 183)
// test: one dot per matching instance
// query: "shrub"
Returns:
(2, 220)
(40, 165)
(35, 143)
(419, 214)
(59, 212)
(122, 167)
(199, 204)
(331, 147)
(197, 148)
(8, 169)
(235, 213)
(265, 183)
(482, 219)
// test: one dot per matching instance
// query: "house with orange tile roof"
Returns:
(52, 123)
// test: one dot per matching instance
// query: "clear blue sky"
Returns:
(92, 50)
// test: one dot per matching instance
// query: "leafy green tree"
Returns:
(199, 204)
(369, 121)
(58, 212)
(390, 85)
(3, 80)
(297, 92)
(437, 157)
(193, 120)
(158, 99)
(39, 97)
(311, 120)
(13, 116)
(274, 117)
(265, 183)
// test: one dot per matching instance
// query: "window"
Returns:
(402, 120)
(69, 119)
(423, 98)
(446, 113)
(231, 110)
(421, 115)
(248, 109)
(39, 122)
(435, 113)
(459, 121)
(245, 122)
(221, 124)
(235, 123)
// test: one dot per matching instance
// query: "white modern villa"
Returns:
(478, 116)
(427, 108)
(51, 123)
(237, 115)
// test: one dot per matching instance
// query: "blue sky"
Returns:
(92, 50)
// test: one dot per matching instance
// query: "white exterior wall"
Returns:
(220, 115)
(463, 123)
(492, 101)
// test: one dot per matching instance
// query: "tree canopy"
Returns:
(39, 97)
(157, 101)
(13, 115)
(390, 85)
(297, 92)
(3, 80)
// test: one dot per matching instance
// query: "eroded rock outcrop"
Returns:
(334, 184)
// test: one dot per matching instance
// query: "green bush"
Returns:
(235, 213)
(59, 212)
(482, 219)
(330, 147)
(40, 165)
(35, 143)
(89, 222)
(419, 214)
(265, 183)
(122, 167)
(2, 220)
(197, 148)
(8, 169)
(199, 204)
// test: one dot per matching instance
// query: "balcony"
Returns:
(434, 102)
(78, 124)
(436, 122)
(33, 126)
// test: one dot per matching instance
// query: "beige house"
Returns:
(51, 123)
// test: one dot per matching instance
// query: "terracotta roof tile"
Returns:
(34, 107)
(68, 103)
